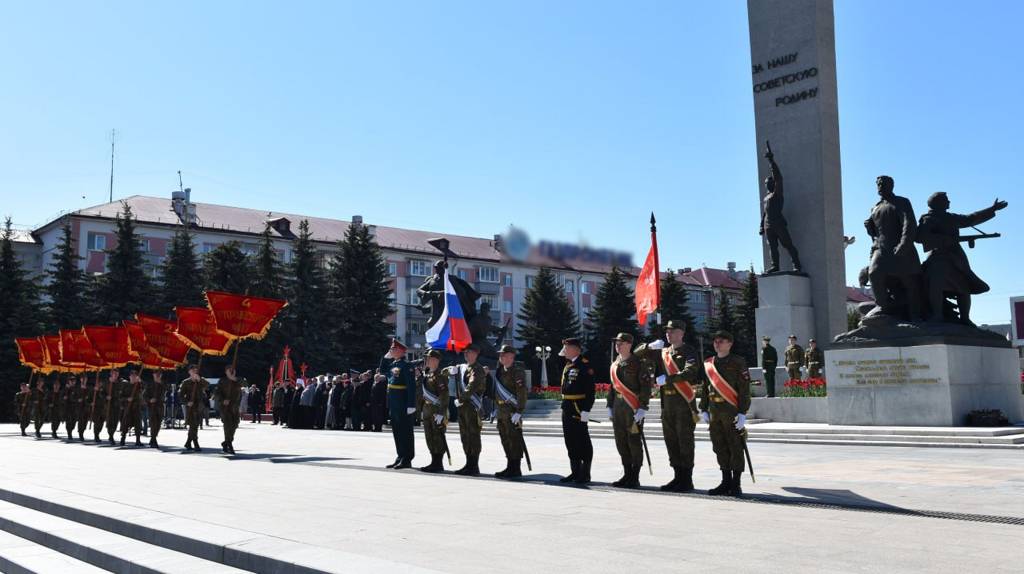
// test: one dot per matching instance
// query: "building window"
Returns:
(506, 280)
(208, 247)
(570, 286)
(462, 274)
(392, 269)
(530, 280)
(419, 268)
(97, 242)
(144, 243)
(489, 299)
(487, 274)
(585, 287)
(414, 297)
(415, 328)
(506, 306)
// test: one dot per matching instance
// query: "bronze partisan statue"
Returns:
(947, 271)
(773, 223)
(431, 294)
(895, 268)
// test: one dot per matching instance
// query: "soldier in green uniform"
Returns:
(632, 378)
(98, 408)
(510, 393)
(71, 394)
(56, 412)
(470, 385)
(434, 382)
(401, 402)
(131, 406)
(40, 398)
(83, 402)
(814, 360)
(794, 355)
(578, 392)
(724, 400)
(677, 370)
(114, 402)
(23, 400)
(153, 393)
(193, 393)
(769, 360)
(228, 395)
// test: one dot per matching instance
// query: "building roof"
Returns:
(23, 236)
(855, 295)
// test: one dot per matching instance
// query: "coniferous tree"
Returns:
(546, 318)
(124, 289)
(723, 320)
(360, 292)
(746, 324)
(267, 280)
(182, 280)
(227, 268)
(68, 286)
(613, 313)
(674, 306)
(306, 322)
(19, 317)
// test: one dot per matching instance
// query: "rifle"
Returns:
(746, 453)
(970, 239)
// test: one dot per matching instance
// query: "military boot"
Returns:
(674, 483)
(736, 490)
(575, 466)
(632, 478)
(71, 436)
(195, 445)
(435, 463)
(515, 469)
(188, 444)
(81, 436)
(398, 461)
(23, 433)
(110, 439)
(122, 439)
(53, 434)
(96, 437)
(39, 434)
(224, 447)
(504, 473)
(725, 486)
(625, 476)
(685, 483)
(138, 441)
(405, 463)
(152, 443)
(231, 447)
(583, 477)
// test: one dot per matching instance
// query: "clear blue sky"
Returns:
(570, 119)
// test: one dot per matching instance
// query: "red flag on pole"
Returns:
(31, 353)
(86, 352)
(197, 327)
(149, 358)
(112, 344)
(161, 338)
(648, 287)
(242, 316)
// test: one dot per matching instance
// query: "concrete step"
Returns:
(100, 548)
(21, 556)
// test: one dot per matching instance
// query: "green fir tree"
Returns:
(19, 317)
(613, 312)
(180, 272)
(227, 268)
(125, 288)
(67, 287)
(545, 318)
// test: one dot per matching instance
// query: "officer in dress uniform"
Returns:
(794, 355)
(577, 400)
(632, 378)
(769, 360)
(814, 360)
(435, 409)
(401, 402)
(193, 395)
(510, 393)
(725, 399)
(470, 385)
(678, 371)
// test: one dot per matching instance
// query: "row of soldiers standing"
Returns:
(812, 359)
(673, 370)
(117, 405)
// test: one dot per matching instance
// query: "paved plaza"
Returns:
(312, 501)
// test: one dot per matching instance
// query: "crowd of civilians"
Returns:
(350, 401)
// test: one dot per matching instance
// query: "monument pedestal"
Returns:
(925, 385)
(784, 308)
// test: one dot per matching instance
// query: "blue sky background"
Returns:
(570, 119)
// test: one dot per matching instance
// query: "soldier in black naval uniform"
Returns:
(724, 401)
(401, 402)
(577, 399)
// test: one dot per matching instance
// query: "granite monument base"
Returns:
(784, 309)
(926, 385)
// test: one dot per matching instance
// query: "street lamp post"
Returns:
(543, 353)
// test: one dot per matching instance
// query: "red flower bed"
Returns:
(810, 388)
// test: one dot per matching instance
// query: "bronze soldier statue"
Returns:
(895, 268)
(947, 270)
(773, 224)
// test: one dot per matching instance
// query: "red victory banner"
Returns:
(51, 350)
(31, 354)
(149, 358)
(69, 354)
(197, 327)
(648, 289)
(242, 316)
(86, 353)
(161, 338)
(112, 345)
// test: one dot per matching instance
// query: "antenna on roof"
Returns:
(113, 136)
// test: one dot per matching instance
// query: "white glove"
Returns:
(741, 421)
(410, 410)
(458, 403)
(438, 419)
(585, 416)
(657, 345)
(661, 380)
(639, 416)
(705, 417)
(516, 417)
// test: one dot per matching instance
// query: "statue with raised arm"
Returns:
(895, 268)
(947, 271)
(773, 223)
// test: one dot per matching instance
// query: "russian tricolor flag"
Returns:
(450, 332)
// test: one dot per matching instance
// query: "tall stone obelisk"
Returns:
(793, 62)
